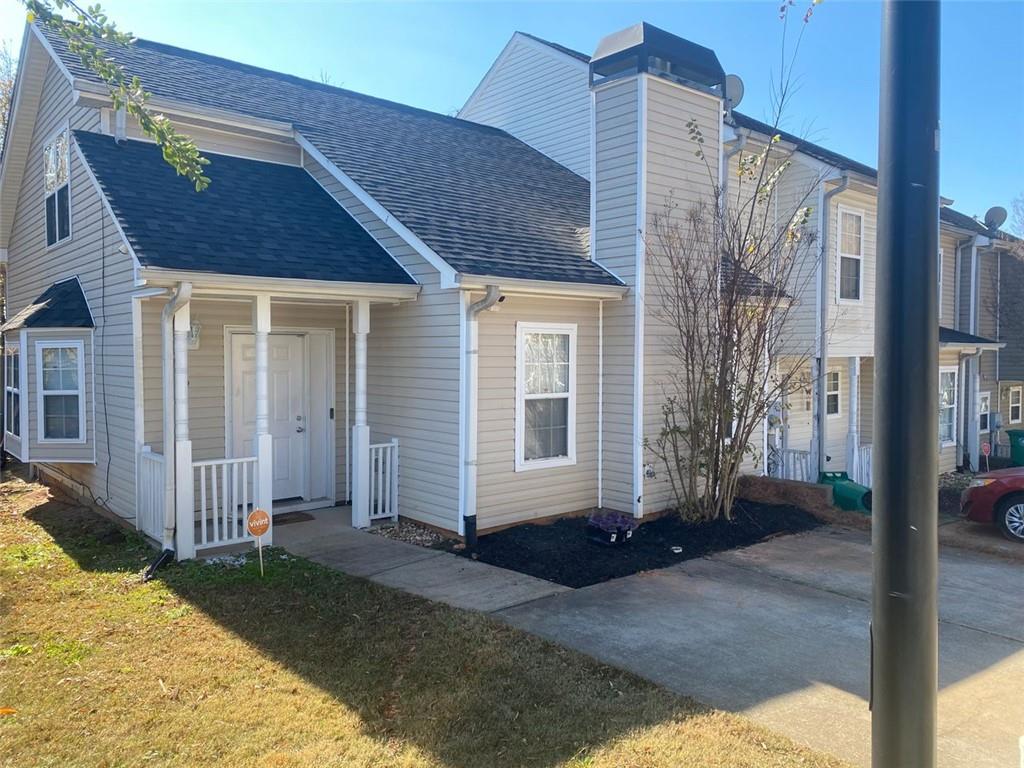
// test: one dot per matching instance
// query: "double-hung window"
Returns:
(984, 409)
(12, 390)
(57, 186)
(61, 369)
(851, 254)
(1015, 404)
(947, 406)
(832, 384)
(545, 395)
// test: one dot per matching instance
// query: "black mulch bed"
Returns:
(562, 553)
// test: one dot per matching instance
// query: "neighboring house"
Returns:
(535, 86)
(375, 304)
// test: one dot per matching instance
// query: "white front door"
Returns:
(288, 411)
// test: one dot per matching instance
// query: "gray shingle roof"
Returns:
(257, 219)
(62, 305)
(484, 201)
(950, 336)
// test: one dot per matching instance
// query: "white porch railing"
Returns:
(795, 465)
(862, 473)
(225, 495)
(149, 507)
(384, 480)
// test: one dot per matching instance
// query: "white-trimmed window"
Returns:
(851, 254)
(1015, 404)
(60, 366)
(947, 406)
(12, 389)
(545, 395)
(984, 411)
(57, 188)
(832, 389)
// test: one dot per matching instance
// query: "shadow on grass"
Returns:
(458, 686)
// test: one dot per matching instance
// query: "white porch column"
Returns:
(360, 429)
(853, 430)
(264, 442)
(184, 507)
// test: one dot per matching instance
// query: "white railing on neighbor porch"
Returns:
(149, 508)
(384, 480)
(862, 473)
(224, 496)
(795, 465)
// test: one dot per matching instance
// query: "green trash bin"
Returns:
(1016, 437)
(847, 494)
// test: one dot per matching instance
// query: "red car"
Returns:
(997, 497)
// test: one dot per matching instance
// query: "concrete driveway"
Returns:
(779, 632)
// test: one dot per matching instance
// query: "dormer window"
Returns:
(57, 187)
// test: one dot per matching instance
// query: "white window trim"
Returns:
(66, 128)
(40, 425)
(1020, 406)
(983, 396)
(838, 392)
(521, 464)
(13, 388)
(840, 210)
(956, 398)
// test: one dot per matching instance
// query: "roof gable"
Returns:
(257, 219)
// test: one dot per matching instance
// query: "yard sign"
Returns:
(257, 524)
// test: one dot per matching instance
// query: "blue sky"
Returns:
(431, 55)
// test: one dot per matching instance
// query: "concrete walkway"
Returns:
(330, 540)
(779, 632)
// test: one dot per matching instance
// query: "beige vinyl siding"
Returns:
(207, 412)
(798, 414)
(57, 452)
(92, 253)
(851, 324)
(674, 176)
(867, 400)
(799, 189)
(504, 495)
(963, 317)
(947, 314)
(615, 246)
(413, 358)
(838, 427)
(540, 96)
(215, 141)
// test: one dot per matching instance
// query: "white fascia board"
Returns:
(211, 282)
(106, 203)
(972, 348)
(523, 287)
(14, 124)
(447, 273)
(96, 95)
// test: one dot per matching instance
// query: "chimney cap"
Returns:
(644, 48)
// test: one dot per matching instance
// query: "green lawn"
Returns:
(211, 665)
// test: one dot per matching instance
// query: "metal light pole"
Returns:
(904, 673)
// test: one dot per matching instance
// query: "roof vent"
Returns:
(645, 48)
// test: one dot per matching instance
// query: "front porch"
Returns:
(260, 400)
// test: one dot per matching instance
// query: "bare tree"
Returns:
(728, 269)
(8, 69)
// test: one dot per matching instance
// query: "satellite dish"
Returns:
(995, 217)
(733, 91)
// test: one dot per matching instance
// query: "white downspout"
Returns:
(491, 297)
(821, 364)
(181, 296)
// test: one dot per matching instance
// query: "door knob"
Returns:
(300, 429)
